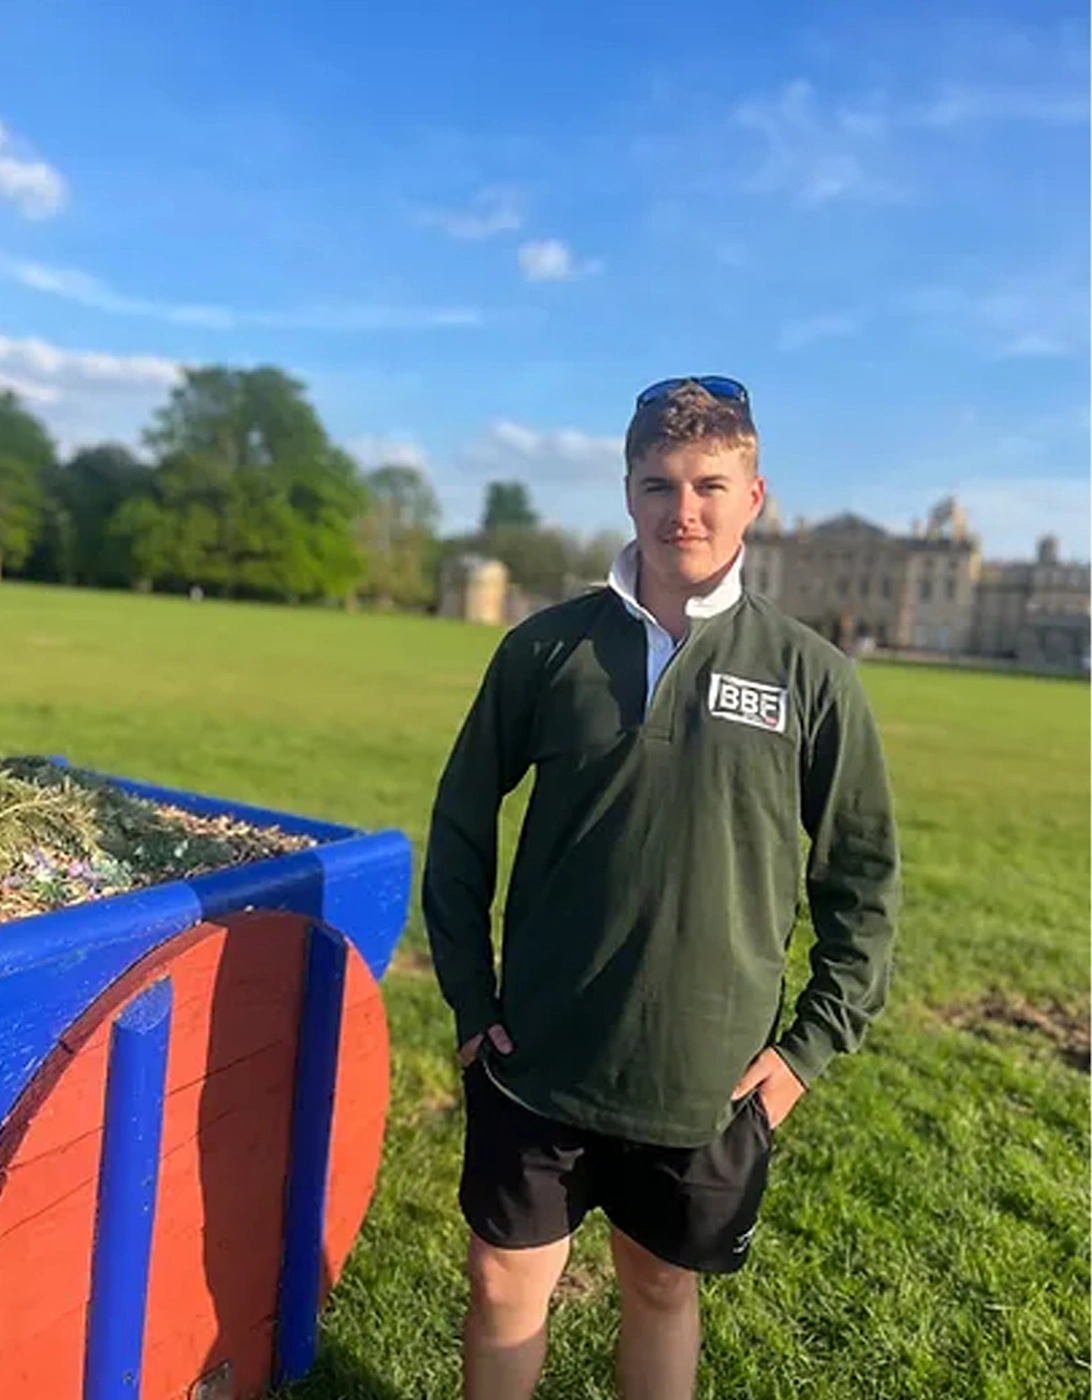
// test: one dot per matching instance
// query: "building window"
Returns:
(944, 638)
(921, 636)
(951, 590)
(864, 588)
(886, 590)
(843, 588)
(925, 590)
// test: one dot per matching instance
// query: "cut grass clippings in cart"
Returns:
(68, 836)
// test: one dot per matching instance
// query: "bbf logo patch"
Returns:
(749, 702)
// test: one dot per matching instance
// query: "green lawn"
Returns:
(926, 1228)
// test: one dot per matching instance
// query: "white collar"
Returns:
(623, 580)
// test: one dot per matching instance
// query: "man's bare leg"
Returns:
(504, 1340)
(661, 1324)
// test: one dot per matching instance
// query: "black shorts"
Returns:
(528, 1180)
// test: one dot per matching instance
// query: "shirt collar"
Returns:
(623, 580)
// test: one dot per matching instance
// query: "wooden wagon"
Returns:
(193, 1094)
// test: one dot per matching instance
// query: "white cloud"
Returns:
(963, 104)
(71, 285)
(491, 212)
(1038, 315)
(364, 318)
(817, 153)
(86, 396)
(795, 335)
(1007, 514)
(816, 156)
(1033, 345)
(28, 390)
(381, 450)
(35, 188)
(1019, 479)
(551, 260)
(45, 362)
(85, 290)
(1012, 515)
(567, 451)
(574, 476)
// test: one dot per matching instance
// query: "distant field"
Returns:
(926, 1229)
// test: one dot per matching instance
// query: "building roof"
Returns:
(849, 524)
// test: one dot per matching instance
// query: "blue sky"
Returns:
(476, 230)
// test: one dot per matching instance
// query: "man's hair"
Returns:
(690, 414)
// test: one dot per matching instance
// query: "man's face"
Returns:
(690, 506)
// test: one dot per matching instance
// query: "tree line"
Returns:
(240, 492)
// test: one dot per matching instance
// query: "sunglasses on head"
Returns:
(715, 384)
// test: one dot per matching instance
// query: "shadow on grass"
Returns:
(339, 1374)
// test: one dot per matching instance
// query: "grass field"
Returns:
(926, 1229)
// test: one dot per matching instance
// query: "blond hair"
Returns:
(690, 414)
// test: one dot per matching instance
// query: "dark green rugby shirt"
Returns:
(656, 883)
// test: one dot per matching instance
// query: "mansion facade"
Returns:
(929, 592)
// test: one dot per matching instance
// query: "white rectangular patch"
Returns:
(749, 702)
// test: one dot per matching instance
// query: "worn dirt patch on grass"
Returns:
(411, 962)
(580, 1280)
(1064, 1028)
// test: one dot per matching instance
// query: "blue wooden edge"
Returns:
(312, 1116)
(128, 1180)
(53, 966)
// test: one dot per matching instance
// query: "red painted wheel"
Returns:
(218, 1235)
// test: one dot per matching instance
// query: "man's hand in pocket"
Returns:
(498, 1038)
(775, 1083)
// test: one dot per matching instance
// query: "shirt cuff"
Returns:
(806, 1049)
(476, 1009)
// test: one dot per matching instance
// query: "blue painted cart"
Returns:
(193, 1093)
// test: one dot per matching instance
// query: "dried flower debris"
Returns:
(67, 836)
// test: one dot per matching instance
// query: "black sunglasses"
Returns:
(715, 384)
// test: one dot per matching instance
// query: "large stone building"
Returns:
(1036, 612)
(865, 588)
(926, 592)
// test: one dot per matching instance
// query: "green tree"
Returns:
(239, 418)
(507, 503)
(592, 558)
(251, 494)
(84, 494)
(397, 537)
(538, 559)
(26, 454)
(544, 560)
(143, 529)
(53, 557)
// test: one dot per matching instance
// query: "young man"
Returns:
(632, 1058)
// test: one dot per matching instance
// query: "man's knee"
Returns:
(650, 1282)
(514, 1280)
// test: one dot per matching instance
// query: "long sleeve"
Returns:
(489, 758)
(852, 881)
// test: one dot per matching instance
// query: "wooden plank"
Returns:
(218, 1238)
(360, 1114)
(48, 1363)
(224, 1148)
(45, 1268)
(217, 1241)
